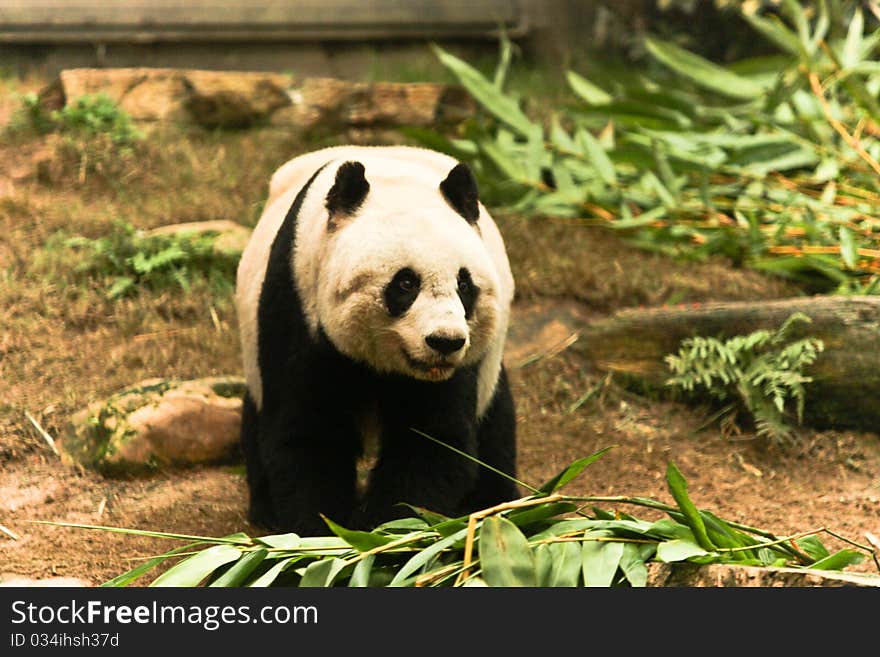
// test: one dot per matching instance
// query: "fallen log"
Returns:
(846, 388)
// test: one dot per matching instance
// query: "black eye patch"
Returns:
(402, 291)
(467, 292)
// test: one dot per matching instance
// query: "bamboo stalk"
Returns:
(853, 143)
(479, 515)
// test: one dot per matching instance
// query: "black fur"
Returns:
(460, 191)
(349, 189)
(402, 291)
(302, 446)
(467, 292)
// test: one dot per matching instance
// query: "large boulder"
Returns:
(333, 103)
(224, 99)
(158, 423)
(238, 99)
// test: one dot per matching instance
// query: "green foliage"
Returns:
(762, 370)
(750, 161)
(99, 114)
(541, 540)
(87, 116)
(96, 136)
(31, 116)
(130, 260)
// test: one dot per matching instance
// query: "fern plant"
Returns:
(763, 371)
(132, 260)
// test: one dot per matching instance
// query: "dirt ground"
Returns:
(63, 344)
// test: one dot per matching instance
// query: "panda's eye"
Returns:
(401, 291)
(467, 291)
(407, 282)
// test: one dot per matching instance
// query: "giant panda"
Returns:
(373, 301)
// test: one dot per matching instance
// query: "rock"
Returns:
(9, 579)
(238, 99)
(729, 575)
(332, 103)
(224, 99)
(231, 237)
(158, 423)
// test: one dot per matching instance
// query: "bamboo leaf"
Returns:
(267, 578)
(532, 515)
(678, 488)
(505, 555)
(848, 247)
(128, 577)
(600, 560)
(775, 31)
(360, 576)
(703, 72)
(594, 152)
(422, 558)
(322, 572)
(839, 560)
(853, 45)
(281, 541)
(632, 563)
(586, 90)
(560, 138)
(799, 18)
(559, 564)
(238, 538)
(241, 570)
(572, 471)
(679, 550)
(359, 540)
(427, 517)
(194, 569)
(813, 547)
(504, 107)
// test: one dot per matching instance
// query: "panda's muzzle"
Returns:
(439, 369)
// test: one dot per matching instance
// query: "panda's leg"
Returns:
(309, 458)
(496, 437)
(260, 505)
(412, 468)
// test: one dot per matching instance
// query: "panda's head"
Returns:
(406, 284)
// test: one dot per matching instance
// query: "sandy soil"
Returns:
(831, 480)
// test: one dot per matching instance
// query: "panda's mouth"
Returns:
(435, 371)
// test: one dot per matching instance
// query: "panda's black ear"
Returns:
(348, 191)
(460, 191)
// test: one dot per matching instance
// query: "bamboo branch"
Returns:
(853, 143)
(479, 515)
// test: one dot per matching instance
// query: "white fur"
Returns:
(340, 274)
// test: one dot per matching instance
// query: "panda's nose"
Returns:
(444, 345)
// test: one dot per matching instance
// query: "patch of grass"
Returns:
(98, 114)
(130, 260)
(87, 116)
